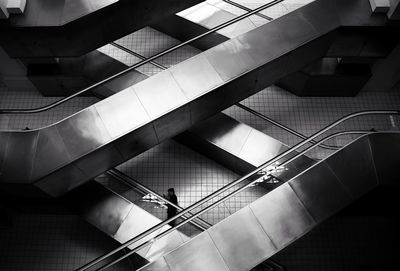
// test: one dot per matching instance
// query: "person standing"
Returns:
(171, 211)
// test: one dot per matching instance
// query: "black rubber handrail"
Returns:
(134, 66)
(259, 169)
(129, 51)
(284, 127)
(247, 9)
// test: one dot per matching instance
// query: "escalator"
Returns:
(62, 156)
(274, 221)
(61, 28)
(264, 227)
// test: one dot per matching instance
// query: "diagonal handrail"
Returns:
(140, 63)
(232, 184)
(284, 127)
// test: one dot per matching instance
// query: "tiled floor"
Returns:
(51, 242)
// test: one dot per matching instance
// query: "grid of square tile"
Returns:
(309, 115)
(33, 99)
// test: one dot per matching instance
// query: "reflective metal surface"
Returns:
(100, 207)
(285, 214)
(120, 219)
(238, 146)
(282, 216)
(198, 254)
(159, 265)
(50, 148)
(320, 191)
(354, 166)
(160, 94)
(241, 240)
(386, 153)
(74, 27)
(195, 74)
(230, 59)
(83, 132)
(120, 117)
(18, 157)
(170, 111)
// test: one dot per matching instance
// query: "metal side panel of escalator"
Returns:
(271, 223)
(62, 156)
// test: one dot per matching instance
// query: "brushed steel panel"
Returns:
(195, 75)
(309, 52)
(260, 148)
(356, 13)
(83, 132)
(34, 8)
(104, 158)
(181, 121)
(354, 166)
(98, 4)
(322, 15)
(50, 13)
(230, 59)
(164, 245)
(241, 240)
(230, 135)
(263, 43)
(160, 94)
(282, 216)
(297, 31)
(3, 147)
(159, 265)
(62, 181)
(207, 256)
(320, 191)
(135, 143)
(136, 222)
(272, 72)
(386, 151)
(101, 207)
(73, 9)
(122, 112)
(223, 132)
(18, 157)
(51, 152)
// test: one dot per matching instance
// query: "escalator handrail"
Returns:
(213, 205)
(247, 9)
(234, 183)
(284, 127)
(140, 63)
(280, 125)
(129, 51)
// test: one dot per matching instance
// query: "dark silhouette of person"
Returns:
(171, 211)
